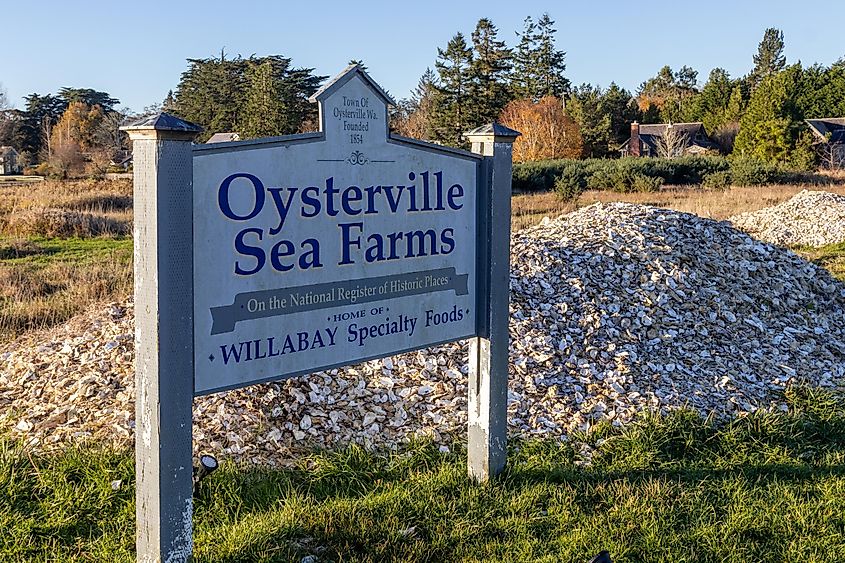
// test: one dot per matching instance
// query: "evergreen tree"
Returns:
(223, 94)
(490, 66)
(821, 92)
(523, 76)
(769, 59)
(169, 103)
(710, 106)
(550, 64)
(452, 110)
(89, 97)
(37, 121)
(415, 117)
(263, 109)
(619, 105)
(669, 95)
(770, 125)
(736, 105)
(585, 108)
(538, 66)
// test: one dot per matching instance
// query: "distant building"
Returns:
(9, 161)
(122, 159)
(667, 139)
(223, 138)
(829, 135)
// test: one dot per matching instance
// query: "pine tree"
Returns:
(669, 95)
(550, 62)
(220, 93)
(263, 109)
(619, 105)
(769, 59)
(490, 66)
(586, 110)
(452, 110)
(710, 106)
(169, 103)
(523, 75)
(736, 105)
(537, 66)
(417, 113)
(770, 125)
(89, 97)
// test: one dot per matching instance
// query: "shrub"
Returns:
(643, 183)
(717, 180)
(571, 182)
(748, 171)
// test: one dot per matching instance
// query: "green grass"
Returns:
(44, 282)
(45, 251)
(678, 488)
(830, 257)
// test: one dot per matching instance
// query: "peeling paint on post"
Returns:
(488, 352)
(164, 383)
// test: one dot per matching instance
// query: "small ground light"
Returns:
(208, 463)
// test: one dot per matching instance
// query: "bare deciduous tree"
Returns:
(672, 143)
(831, 155)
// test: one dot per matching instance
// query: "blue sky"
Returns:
(136, 51)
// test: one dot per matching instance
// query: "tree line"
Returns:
(474, 79)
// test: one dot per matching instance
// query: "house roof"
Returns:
(828, 129)
(223, 138)
(7, 150)
(659, 129)
(650, 133)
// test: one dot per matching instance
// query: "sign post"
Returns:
(488, 352)
(164, 361)
(271, 258)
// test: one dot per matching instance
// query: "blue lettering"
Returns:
(223, 197)
(242, 248)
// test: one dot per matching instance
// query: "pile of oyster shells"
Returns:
(809, 218)
(616, 309)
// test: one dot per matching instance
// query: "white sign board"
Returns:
(325, 249)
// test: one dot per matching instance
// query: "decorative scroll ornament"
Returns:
(357, 157)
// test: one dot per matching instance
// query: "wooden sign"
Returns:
(265, 259)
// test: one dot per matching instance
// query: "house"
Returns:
(121, 159)
(829, 136)
(223, 138)
(9, 161)
(667, 139)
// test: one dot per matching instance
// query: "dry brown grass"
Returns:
(63, 246)
(714, 204)
(79, 208)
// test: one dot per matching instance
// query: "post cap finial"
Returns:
(500, 132)
(164, 123)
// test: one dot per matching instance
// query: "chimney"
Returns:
(635, 145)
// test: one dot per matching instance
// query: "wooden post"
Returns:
(488, 353)
(164, 370)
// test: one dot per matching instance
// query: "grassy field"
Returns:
(63, 246)
(761, 488)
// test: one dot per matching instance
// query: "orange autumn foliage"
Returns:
(547, 132)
